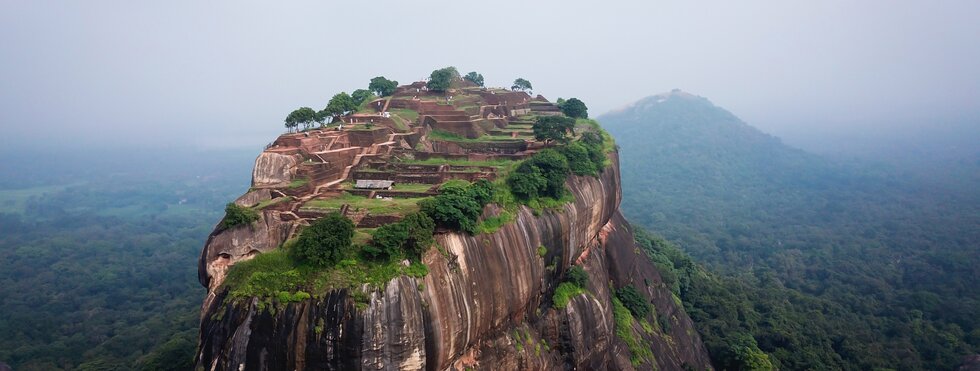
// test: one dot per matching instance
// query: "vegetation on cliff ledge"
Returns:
(573, 285)
(331, 253)
(238, 215)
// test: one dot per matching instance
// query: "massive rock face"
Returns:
(485, 304)
(272, 168)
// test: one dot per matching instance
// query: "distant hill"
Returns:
(893, 258)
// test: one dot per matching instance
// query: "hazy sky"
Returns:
(217, 74)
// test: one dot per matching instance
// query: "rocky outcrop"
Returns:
(225, 247)
(273, 168)
(485, 304)
(253, 197)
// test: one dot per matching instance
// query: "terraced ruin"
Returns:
(416, 138)
(466, 228)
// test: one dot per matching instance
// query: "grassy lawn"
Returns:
(396, 206)
(362, 236)
(278, 278)
(361, 127)
(447, 136)
(402, 187)
(412, 187)
(452, 137)
(367, 107)
(504, 137)
(521, 136)
(405, 113)
(445, 161)
(299, 182)
(401, 125)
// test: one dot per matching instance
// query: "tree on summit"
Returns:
(326, 241)
(340, 104)
(541, 175)
(521, 84)
(573, 108)
(439, 80)
(382, 86)
(302, 115)
(555, 128)
(359, 96)
(474, 77)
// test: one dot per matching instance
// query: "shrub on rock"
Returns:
(238, 215)
(325, 242)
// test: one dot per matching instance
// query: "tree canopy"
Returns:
(458, 207)
(802, 250)
(340, 104)
(360, 96)
(474, 77)
(441, 79)
(409, 238)
(554, 128)
(326, 241)
(382, 86)
(634, 301)
(579, 159)
(521, 84)
(574, 108)
(541, 175)
(300, 116)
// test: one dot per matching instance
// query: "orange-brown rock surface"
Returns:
(485, 303)
(475, 298)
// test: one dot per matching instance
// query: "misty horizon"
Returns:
(219, 76)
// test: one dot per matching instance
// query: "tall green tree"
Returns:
(521, 84)
(553, 128)
(340, 104)
(301, 116)
(291, 122)
(382, 86)
(474, 77)
(325, 242)
(458, 207)
(441, 79)
(360, 96)
(409, 237)
(574, 108)
(541, 175)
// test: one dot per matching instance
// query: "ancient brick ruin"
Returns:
(416, 138)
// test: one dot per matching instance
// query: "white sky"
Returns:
(224, 74)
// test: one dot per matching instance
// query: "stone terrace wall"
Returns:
(365, 138)
(510, 98)
(466, 129)
(422, 178)
(502, 147)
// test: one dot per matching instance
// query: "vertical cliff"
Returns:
(485, 303)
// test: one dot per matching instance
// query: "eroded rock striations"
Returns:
(486, 302)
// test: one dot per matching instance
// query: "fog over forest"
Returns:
(827, 76)
(802, 177)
